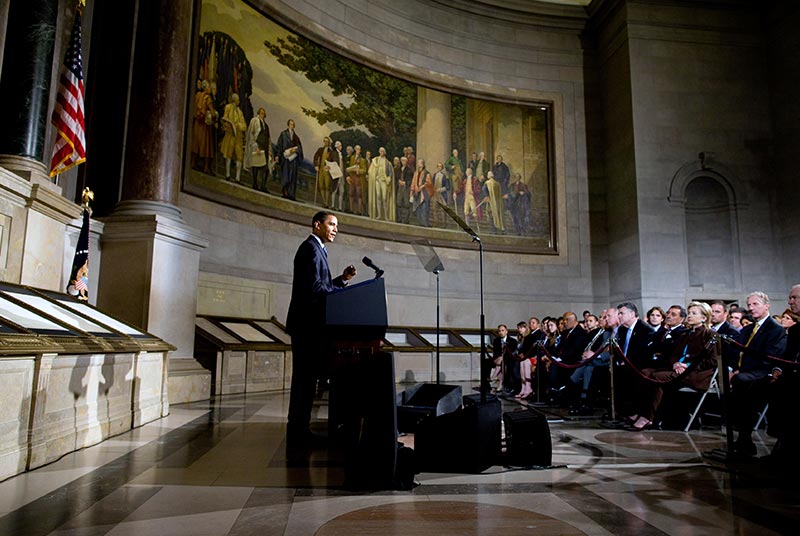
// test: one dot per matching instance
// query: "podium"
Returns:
(357, 314)
(362, 413)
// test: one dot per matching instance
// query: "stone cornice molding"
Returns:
(138, 227)
(43, 198)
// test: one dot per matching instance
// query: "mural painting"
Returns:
(283, 123)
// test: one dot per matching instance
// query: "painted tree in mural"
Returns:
(386, 106)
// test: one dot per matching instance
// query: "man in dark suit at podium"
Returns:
(311, 283)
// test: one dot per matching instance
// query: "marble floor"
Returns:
(220, 468)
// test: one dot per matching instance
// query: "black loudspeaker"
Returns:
(464, 441)
(425, 400)
(528, 442)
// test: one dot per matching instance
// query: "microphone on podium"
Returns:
(368, 262)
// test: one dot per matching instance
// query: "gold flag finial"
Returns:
(87, 196)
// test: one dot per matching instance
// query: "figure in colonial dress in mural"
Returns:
(258, 150)
(403, 190)
(421, 192)
(356, 175)
(520, 204)
(338, 183)
(205, 116)
(232, 146)
(481, 167)
(322, 157)
(471, 193)
(455, 170)
(501, 173)
(492, 192)
(441, 188)
(381, 174)
(290, 154)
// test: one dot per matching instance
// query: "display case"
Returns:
(244, 355)
(76, 374)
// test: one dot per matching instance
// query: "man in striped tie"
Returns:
(751, 375)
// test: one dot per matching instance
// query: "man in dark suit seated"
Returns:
(582, 377)
(634, 338)
(720, 324)
(503, 349)
(752, 374)
(311, 283)
(666, 337)
(785, 397)
(569, 351)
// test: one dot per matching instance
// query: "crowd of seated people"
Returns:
(656, 356)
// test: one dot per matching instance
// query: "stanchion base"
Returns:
(539, 404)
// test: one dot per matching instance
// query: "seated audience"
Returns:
(693, 360)
(570, 347)
(582, 377)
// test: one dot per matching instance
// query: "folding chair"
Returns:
(713, 387)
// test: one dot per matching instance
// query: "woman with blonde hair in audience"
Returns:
(693, 360)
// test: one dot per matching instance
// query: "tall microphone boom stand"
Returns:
(475, 238)
(484, 362)
(438, 330)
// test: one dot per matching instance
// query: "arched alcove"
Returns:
(710, 236)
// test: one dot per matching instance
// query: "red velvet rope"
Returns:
(729, 340)
(680, 376)
(583, 363)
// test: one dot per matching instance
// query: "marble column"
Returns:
(25, 85)
(151, 258)
(433, 126)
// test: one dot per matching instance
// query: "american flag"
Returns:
(70, 147)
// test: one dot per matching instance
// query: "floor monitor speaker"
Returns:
(527, 439)
(464, 441)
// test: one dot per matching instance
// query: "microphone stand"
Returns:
(483, 368)
(614, 422)
(724, 387)
(438, 335)
(475, 238)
